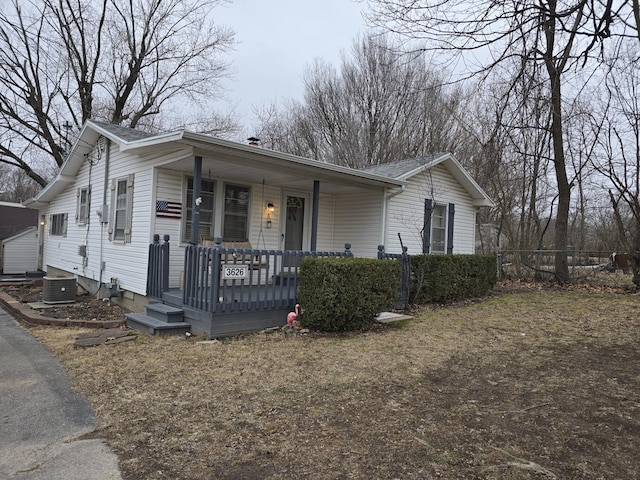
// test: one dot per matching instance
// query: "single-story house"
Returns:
(19, 239)
(120, 187)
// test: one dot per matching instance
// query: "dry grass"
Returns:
(524, 385)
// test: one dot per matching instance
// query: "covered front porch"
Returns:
(265, 200)
(239, 219)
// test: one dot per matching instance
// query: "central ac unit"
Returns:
(58, 289)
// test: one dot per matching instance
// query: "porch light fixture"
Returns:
(270, 209)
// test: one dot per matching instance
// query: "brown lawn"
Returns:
(528, 384)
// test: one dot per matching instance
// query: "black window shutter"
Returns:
(452, 211)
(426, 234)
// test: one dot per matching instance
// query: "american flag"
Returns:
(166, 209)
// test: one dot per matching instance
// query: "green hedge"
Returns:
(346, 294)
(446, 278)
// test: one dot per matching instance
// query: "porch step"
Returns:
(152, 326)
(165, 313)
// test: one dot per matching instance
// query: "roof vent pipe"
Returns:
(253, 141)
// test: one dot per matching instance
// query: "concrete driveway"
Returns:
(42, 422)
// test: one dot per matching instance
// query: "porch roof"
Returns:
(223, 157)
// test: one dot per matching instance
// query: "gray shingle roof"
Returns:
(125, 133)
(402, 167)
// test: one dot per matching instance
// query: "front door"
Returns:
(294, 222)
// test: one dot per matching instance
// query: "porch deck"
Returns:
(246, 308)
(215, 304)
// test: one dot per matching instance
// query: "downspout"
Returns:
(389, 196)
(104, 219)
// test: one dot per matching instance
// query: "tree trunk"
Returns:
(564, 189)
(555, 66)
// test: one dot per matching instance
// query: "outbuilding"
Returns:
(20, 252)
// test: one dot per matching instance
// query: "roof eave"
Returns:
(139, 145)
(483, 202)
(69, 169)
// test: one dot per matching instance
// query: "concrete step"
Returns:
(152, 326)
(165, 313)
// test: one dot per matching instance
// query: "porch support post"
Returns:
(195, 219)
(314, 215)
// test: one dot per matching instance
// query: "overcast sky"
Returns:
(277, 39)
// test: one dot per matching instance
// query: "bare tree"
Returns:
(378, 107)
(556, 35)
(507, 152)
(15, 185)
(619, 155)
(65, 61)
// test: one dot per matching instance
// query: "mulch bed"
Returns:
(86, 312)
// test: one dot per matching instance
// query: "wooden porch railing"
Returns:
(224, 280)
(158, 267)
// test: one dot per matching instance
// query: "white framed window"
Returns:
(58, 224)
(438, 229)
(205, 226)
(121, 209)
(235, 223)
(83, 206)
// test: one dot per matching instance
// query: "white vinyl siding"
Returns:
(358, 221)
(62, 252)
(169, 187)
(126, 262)
(259, 235)
(405, 212)
(325, 225)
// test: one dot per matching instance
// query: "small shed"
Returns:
(19, 252)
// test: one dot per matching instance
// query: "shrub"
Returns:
(446, 278)
(346, 294)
